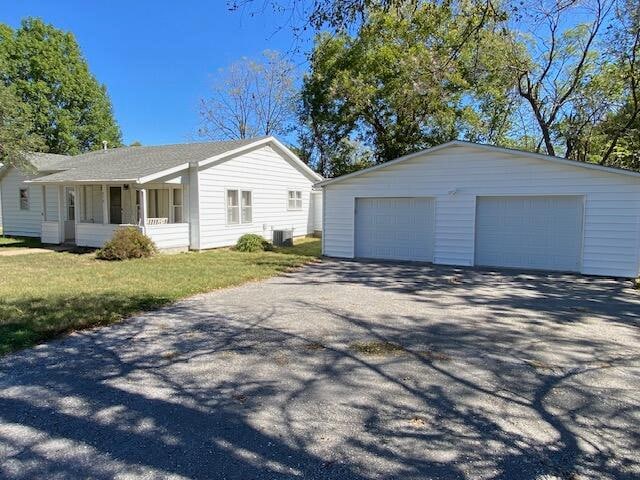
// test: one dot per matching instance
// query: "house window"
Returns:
(158, 207)
(70, 200)
(90, 204)
(177, 205)
(246, 207)
(295, 200)
(239, 207)
(233, 207)
(24, 199)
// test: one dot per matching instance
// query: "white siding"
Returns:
(51, 232)
(169, 236)
(93, 234)
(457, 175)
(269, 177)
(26, 223)
(316, 208)
(51, 196)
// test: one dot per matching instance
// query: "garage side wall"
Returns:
(269, 176)
(456, 176)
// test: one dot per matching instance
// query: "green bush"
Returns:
(250, 242)
(128, 242)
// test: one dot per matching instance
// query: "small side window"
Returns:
(295, 200)
(247, 205)
(233, 207)
(24, 199)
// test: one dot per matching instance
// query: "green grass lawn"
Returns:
(47, 294)
(16, 242)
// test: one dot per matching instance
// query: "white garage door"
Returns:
(529, 232)
(395, 228)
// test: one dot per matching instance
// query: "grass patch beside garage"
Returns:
(49, 294)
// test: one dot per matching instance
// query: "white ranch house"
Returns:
(475, 205)
(190, 196)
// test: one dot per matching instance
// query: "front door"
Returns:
(69, 214)
(115, 205)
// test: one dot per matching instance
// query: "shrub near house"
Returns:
(127, 243)
(251, 242)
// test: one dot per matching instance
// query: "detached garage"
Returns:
(467, 204)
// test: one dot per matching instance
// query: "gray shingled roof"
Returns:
(49, 162)
(131, 163)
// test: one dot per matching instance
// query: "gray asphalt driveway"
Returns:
(492, 375)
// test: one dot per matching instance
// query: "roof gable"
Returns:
(277, 146)
(479, 146)
(144, 164)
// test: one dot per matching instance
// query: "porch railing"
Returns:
(157, 221)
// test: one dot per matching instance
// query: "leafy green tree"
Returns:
(621, 128)
(16, 126)
(407, 81)
(45, 67)
(560, 82)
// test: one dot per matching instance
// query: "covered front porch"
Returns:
(88, 214)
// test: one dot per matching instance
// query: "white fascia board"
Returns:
(259, 143)
(230, 153)
(500, 150)
(81, 182)
(163, 173)
(292, 156)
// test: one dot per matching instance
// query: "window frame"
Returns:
(173, 205)
(27, 198)
(295, 199)
(243, 207)
(84, 201)
(240, 206)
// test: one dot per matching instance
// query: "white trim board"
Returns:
(502, 150)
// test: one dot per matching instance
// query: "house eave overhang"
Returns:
(44, 181)
(501, 150)
(163, 173)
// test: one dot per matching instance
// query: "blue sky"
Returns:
(157, 58)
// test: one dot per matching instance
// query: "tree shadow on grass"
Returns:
(31, 320)
(232, 389)
(20, 242)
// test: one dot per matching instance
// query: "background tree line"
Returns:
(384, 78)
(49, 100)
(389, 77)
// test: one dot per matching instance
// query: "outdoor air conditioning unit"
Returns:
(283, 238)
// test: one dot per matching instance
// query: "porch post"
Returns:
(76, 217)
(105, 205)
(143, 209)
(61, 212)
(44, 203)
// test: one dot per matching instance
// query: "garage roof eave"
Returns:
(461, 143)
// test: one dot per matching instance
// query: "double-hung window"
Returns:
(239, 207)
(177, 205)
(24, 199)
(295, 200)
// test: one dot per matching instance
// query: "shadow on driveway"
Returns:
(501, 375)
